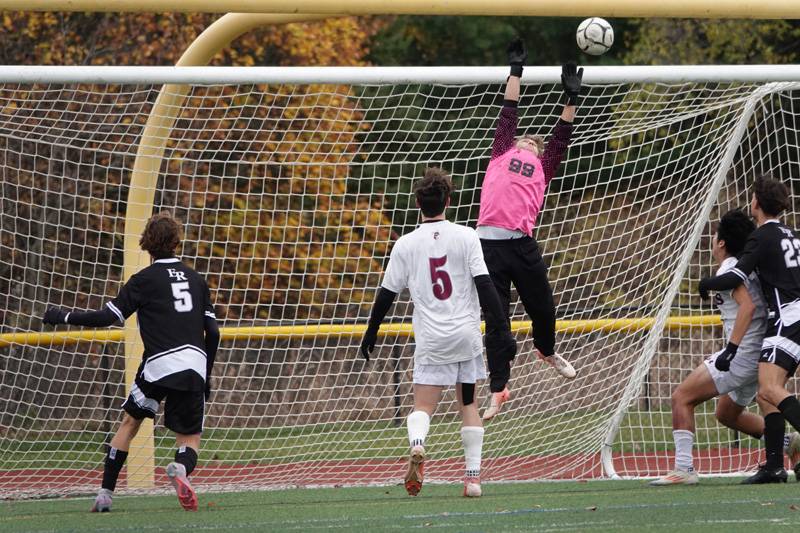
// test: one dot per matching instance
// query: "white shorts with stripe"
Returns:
(447, 374)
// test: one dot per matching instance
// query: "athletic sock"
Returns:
(187, 457)
(418, 425)
(684, 440)
(472, 439)
(115, 459)
(774, 429)
(790, 409)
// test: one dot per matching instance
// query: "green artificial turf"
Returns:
(715, 505)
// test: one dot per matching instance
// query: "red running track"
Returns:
(31, 482)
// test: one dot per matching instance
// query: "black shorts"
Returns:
(519, 261)
(183, 410)
(782, 347)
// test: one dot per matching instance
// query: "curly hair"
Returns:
(734, 229)
(772, 195)
(161, 235)
(433, 190)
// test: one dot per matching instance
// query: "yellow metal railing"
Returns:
(349, 330)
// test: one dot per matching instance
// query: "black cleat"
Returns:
(767, 475)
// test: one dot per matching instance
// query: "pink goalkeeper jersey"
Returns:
(513, 186)
(512, 192)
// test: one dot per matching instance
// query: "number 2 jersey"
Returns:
(171, 302)
(437, 263)
(773, 252)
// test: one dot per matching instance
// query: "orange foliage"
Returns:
(260, 173)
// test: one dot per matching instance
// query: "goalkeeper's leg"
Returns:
(530, 279)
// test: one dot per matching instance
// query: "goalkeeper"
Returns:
(180, 335)
(512, 195)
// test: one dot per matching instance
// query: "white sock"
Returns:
(418, 424)
(684, 440)
(472, 439)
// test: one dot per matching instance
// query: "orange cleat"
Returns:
(498, 399)
(415, 466)
(186, 495)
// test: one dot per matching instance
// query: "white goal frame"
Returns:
(771, 78)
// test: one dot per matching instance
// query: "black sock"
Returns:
(187, 457)
(774, 429)
(790, 409)
(114, 460)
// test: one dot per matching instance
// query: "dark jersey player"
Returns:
(773, 252)
(512, 195)
(180, 335)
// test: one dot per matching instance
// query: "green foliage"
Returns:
(681, 41)
(430, 41)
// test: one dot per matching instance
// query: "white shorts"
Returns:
(741, 381)
(450, 373)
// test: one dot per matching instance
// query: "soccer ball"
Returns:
(595, 36)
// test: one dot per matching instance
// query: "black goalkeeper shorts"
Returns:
(183, 410)
(519, 261)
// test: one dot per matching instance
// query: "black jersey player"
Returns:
(180, 336)
(773, 252)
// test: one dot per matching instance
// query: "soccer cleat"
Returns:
(767, 475)
(498, 399)
(102, 503)
(472, 487)
(676, 477)
(561, 365)
(416, 461)
(186, 496)
(793, 451)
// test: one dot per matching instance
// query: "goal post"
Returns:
(292, 184)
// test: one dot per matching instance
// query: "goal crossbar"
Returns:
(541, 8)
(29, 74)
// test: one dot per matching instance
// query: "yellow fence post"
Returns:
(141, 458)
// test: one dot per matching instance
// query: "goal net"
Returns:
(292, 188)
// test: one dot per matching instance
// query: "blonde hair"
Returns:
(537, 141)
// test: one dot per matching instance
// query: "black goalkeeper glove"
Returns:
(207, 391)
(723, 360)
(702, 288)
(54, 316)
(368, 342)
(571, 79)
(517, 55)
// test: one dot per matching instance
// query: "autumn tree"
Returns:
(259, 172)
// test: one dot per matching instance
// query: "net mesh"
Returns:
(292, 196)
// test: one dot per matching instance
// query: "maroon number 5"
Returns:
(442, 286)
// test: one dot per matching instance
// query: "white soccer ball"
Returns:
(595, 36)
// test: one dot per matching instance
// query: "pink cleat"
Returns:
(498, 399)
(186, 495)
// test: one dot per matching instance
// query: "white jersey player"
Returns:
(442, 265)
(732, 373)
